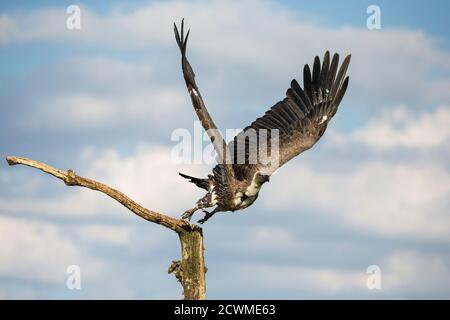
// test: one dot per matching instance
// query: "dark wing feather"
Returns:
(221, 187)
(301, 118)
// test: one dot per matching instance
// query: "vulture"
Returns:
(290, 127)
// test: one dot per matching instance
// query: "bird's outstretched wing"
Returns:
(301, 119)
(199, 106)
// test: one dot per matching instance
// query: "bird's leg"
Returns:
(209, 215)
(206, 217)
(204, 202)
(188, 213)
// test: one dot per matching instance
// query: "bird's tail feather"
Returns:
(201, 183)
(181, 38)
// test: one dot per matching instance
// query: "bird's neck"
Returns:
(253, 188)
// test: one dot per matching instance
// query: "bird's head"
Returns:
(261, 178)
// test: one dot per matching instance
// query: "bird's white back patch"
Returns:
(237, 198)
(253, 188)
(213, 198)
(193, 91)
(324, 118)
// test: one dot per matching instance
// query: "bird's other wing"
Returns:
(199, 106)
(301, 119)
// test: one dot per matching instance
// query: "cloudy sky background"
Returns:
(104, 101)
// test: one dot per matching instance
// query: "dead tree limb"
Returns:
(190, 271)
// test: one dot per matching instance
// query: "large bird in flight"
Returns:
(297, 122)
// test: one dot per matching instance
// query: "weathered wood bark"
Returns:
(190, 271)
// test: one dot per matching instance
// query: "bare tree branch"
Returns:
(71, 179)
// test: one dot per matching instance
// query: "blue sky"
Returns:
(105, 100)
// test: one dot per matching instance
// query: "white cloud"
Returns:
(270, 238)
(38, 251)
(82, 110)
(400, 127)
(150, 177)
(309, 279)
(269, 39)
(76, 202)
(105, 234)
(34, 256)
(404, 273)
(398, 200)
(99, 92)
(410, 271)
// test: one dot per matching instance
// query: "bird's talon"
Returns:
(205, 218)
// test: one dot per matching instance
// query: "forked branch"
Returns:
(71, 179)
